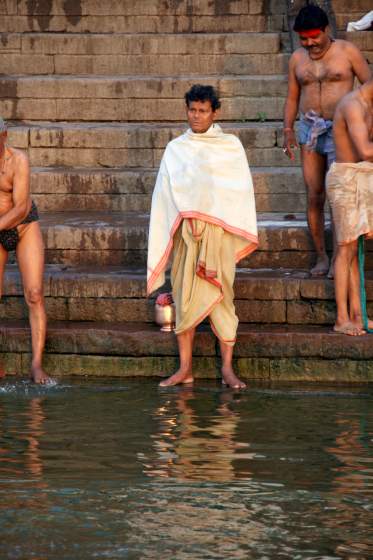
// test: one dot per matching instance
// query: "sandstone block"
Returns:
(259, 311)
(336, 371)
(9, 43)
(26, 64)
(108, 309)
(313, 312)
(90, 157)
(28, 109)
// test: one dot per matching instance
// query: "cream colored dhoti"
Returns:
(350, 193)
(202, 277)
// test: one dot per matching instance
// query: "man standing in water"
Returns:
(203, 207)
(20, 231)
(321, 72)
(350, 193)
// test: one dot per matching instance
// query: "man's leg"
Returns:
(3, 261)
(185, 372)
(356, 317)
(229, 377)
(346, 286)
(30, 256)
(314, 169)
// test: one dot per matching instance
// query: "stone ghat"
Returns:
(283, 353)
(130, 190)
(118, 294)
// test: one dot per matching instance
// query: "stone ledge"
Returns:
(283, 354)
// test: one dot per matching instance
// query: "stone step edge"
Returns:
(344, 371)
(253, 340)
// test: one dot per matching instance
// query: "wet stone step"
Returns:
(286, 353)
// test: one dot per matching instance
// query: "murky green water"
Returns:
(121, 469)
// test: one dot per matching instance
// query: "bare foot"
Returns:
(321, 267)
(330, 274)
(349, 328)
(231, 380)
(359, 324)
(39, 376)
(181, 376)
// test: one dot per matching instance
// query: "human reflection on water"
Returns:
(189, 447)
(20, 456)
(353, 477)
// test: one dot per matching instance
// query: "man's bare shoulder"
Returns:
(19, 156)
(349, 105)
(298, 55)
(348, 48)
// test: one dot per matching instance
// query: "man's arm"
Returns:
(358, 131)
(21, 193)
(359, 65)
(291, 110)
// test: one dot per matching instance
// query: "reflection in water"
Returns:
(187, 448)
(353, 476)
(127, 471)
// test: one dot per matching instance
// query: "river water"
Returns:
(120, 469)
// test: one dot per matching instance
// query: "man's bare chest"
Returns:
(317, 71)
(6, 183)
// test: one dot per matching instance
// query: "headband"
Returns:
(310, 33)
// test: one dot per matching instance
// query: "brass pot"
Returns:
(165, 317)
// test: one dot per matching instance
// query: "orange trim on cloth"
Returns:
(155, 272)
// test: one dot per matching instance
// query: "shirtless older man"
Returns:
(350, 192)
(20, 231)
(321, 72)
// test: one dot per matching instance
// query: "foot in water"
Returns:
(39, 376)
(180, 377)
(321, 267)
(349, 328)
(231, 380)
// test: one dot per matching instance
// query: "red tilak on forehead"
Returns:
(310, 33)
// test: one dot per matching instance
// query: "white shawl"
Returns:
(204, 176)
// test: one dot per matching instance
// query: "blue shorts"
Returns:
(325, 142)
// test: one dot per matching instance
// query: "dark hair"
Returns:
(199, 92)
(311, 17)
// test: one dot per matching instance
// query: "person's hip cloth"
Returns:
(9, 238)
(202, 277)
(349, 188)
(316, 134)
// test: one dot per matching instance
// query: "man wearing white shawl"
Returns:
(203, 211)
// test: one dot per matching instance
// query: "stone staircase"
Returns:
(93, 91)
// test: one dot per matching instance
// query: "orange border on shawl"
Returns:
(155, 272)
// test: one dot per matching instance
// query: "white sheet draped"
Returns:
(204, 176)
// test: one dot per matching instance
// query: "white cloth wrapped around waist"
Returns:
(350, 193)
